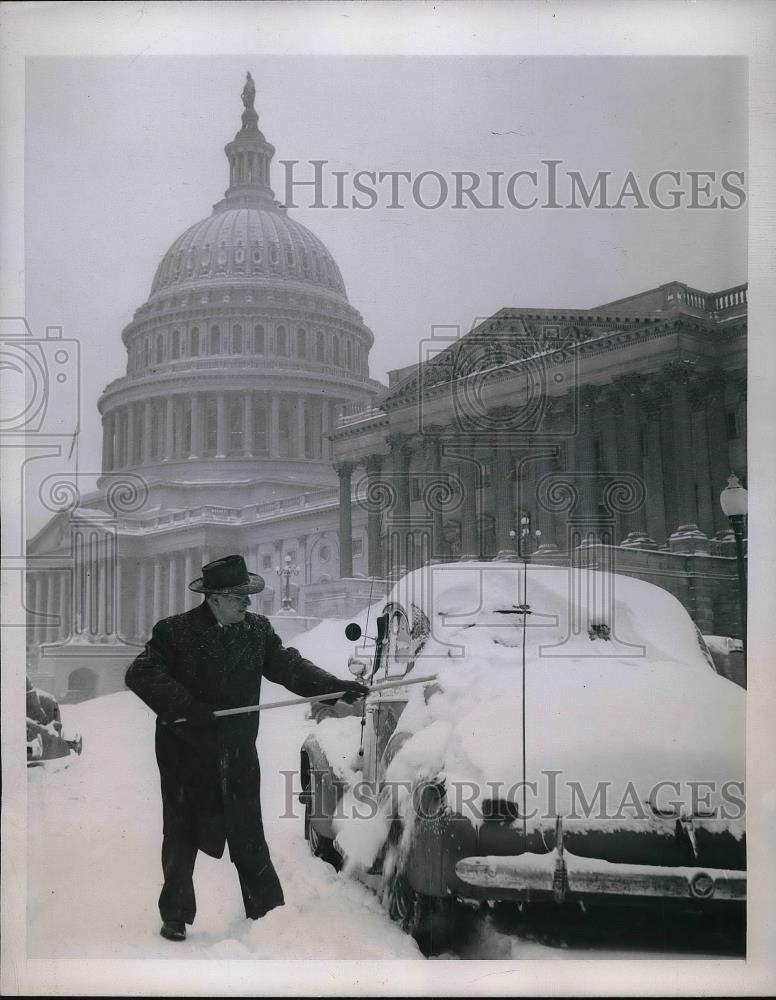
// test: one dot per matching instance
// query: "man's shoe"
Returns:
(173, 930)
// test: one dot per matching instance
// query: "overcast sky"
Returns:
(123, 154)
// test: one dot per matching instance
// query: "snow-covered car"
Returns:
(45, 740)
(532, 732)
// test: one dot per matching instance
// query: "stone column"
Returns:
(433, 450)
(108, 455)
(584, 453)
(157, 589)
(169, 440)
(300, 435)
(106, 443)
(503, 494)
(719, 451)
(374, 464)
(248, 423)
(325, 428)
(545, 521)
(118, 605)
(344, 472)
(142, 599)
(399, 522)
(190, 573)
(470, 535)
(131, 434)
(274, 426)
(702, 471)
(196, 426)
(628, 426)
(147, 424)
(221, 425)
(686, 508)
(34, 629)
(174, 602)
(64, 623)
(653, 465)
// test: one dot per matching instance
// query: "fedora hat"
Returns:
(227, 576)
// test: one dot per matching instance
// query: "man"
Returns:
(210, 658)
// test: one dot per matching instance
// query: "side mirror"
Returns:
(353, 632)
(356, 666)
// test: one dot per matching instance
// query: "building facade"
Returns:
(551, 432)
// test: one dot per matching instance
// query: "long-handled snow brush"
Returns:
(245, 709)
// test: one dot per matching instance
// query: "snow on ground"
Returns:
(94, 831)
(95, 873)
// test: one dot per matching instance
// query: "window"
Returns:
(358, 546)
(281, 347)
(256, 253)
(289, 257)
(266, 562)
(194, 342)
(260, 442)
(237, 339)
(215, 340)
(733, 428)
(301, 343)
(159, 357)
(274, 253)
(324, 553)
(236, 416)
(320, 347)
(258, 339)
(336, 349)
(146, 350)
(175, 350)
(349, 352)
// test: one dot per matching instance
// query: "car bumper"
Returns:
(567, 874)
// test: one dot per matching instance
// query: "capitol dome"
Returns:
(248, 244)
(242, 356)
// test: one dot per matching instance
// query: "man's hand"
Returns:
(353, 691)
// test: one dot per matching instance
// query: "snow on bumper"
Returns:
(559, 874)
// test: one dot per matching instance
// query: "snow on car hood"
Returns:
(638, 710)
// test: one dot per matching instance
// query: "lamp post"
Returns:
(523, 535)
(733, 500)
(285, 572)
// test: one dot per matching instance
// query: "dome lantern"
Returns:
(250, 158)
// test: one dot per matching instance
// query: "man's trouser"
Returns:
(261, 890)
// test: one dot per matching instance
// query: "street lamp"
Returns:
(733, 500)
(285, 572)
(524, 535)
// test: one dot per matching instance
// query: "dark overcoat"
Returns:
(210, 769)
